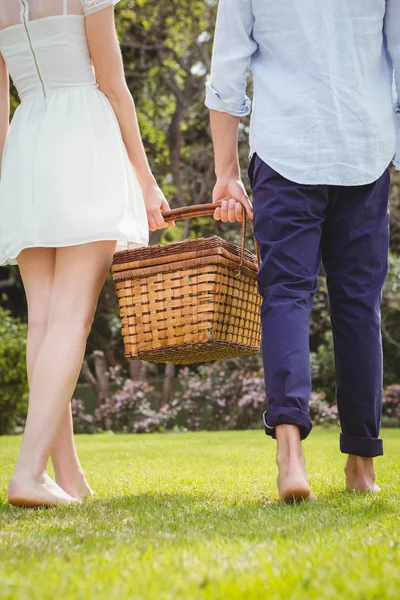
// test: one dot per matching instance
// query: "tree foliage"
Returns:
(14, 387)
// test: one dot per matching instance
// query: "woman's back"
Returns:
(12, 11)
(44, 44)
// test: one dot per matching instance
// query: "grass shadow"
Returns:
(199, 516)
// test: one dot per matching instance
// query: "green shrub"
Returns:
(323, 369)
(391, 322)
(13, 381)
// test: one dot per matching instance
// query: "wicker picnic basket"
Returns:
(189, 302)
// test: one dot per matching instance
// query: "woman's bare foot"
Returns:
(292, 478)
(76, 486)
(360, 474)
(29, 492)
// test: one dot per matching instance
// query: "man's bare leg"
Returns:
(292, 475)
(360, 474)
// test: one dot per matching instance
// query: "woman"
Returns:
(74, 182)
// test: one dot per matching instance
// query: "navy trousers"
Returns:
(347, 228)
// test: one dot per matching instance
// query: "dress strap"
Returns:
(65, 7)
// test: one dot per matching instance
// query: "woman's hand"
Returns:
(231, 194)
(155, 203)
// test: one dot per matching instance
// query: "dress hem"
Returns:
(12, 259)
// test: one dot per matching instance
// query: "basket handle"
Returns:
(207, 210)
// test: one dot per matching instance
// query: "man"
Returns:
(323, 134)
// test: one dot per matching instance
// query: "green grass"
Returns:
(195, 516)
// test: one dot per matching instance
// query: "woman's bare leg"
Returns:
(68, 471)
(292, 476)
(79, 275)
(37, 266)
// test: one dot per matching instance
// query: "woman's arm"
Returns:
(107, 60)
(4, 106)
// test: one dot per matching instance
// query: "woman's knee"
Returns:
(71, 323)
(79, 278)
(37, 325)
(38, 313)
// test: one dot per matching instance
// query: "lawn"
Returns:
(195, 516)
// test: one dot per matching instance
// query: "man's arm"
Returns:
(227, 101)
(392, 33)
(4, 106)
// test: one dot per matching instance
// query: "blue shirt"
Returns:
(324, 107)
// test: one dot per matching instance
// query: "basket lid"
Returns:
(178, 251)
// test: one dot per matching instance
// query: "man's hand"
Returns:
(231, 193)
(155, 203)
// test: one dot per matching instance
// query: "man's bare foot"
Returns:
(29, 492)
(360, 474)
(76, 486)
(292, 478)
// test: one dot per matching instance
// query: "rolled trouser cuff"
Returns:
(287, 416)
(361, 446)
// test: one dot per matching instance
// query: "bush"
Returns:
(13, 379)
(321, 411)
(83, 422)
(220, 396)
(391, 404)
(391, 322)
(128, 410)
(389, 423)
(323, 369)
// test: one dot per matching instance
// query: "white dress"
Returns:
(66, 178)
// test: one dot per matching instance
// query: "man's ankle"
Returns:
(359, 464)
(360, 474)
(289, 445)
(359, 460)
(287, 433)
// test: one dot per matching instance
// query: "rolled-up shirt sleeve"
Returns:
(233, 49)
(392, 33)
